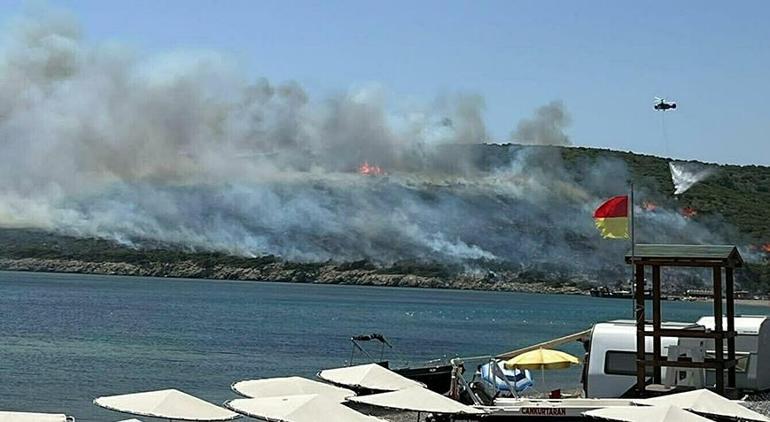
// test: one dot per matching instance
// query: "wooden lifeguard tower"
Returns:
(720, 258)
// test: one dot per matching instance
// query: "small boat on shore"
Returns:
(436, 374)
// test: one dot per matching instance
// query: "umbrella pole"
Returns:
(512, 387)
(418, 416)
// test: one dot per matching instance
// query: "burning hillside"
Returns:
(182, 150)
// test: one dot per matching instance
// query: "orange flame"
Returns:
(367, 169)
(765, 248)
(689, 212)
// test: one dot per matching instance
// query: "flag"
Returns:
(612, 218)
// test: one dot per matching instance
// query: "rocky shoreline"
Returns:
(293, 273)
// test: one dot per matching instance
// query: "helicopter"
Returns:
(663, 105)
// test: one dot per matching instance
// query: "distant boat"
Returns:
(619, 294)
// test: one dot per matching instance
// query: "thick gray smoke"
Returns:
(183, 149)
(546, 127)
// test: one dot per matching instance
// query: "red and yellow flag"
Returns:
(612, 218)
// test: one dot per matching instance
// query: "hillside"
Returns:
(739, 194)
(732, 201)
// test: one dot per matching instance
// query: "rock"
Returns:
(291, 272)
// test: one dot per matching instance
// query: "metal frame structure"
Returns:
(716, 257)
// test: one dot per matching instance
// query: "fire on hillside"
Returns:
(689, 212)
(367, 169)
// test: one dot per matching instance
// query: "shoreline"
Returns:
(300, 274)
(287, 273)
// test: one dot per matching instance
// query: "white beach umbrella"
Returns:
(417, 399)
(298, 408)
(665, 413)
(32, 417)
(370, 376)
(166, 404)
(289, 386)
(706, 402)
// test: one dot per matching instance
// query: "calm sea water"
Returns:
(66, 339)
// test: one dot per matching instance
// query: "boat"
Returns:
(435, 374)
(606, 292)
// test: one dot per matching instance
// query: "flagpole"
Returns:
(633, 253)
(633, 223)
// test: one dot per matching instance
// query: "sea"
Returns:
(66, 339)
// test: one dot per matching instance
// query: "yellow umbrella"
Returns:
(542, 359)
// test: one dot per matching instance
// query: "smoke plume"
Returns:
(184, 149)
(546, 127)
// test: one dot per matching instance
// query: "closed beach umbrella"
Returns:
(417, 399)
(166, 404)
(645, 414)
(370, 377)
(289, 386)
(542, 359)
(707, 403)
(32, 417)
(298, 408)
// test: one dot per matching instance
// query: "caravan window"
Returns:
(622, 363)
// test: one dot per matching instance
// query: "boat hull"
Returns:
(437, 378)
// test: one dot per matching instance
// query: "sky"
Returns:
(605, 60)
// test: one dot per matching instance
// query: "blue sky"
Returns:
(604, 59)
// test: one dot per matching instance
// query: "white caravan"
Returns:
(752, 350)
(611, 363)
